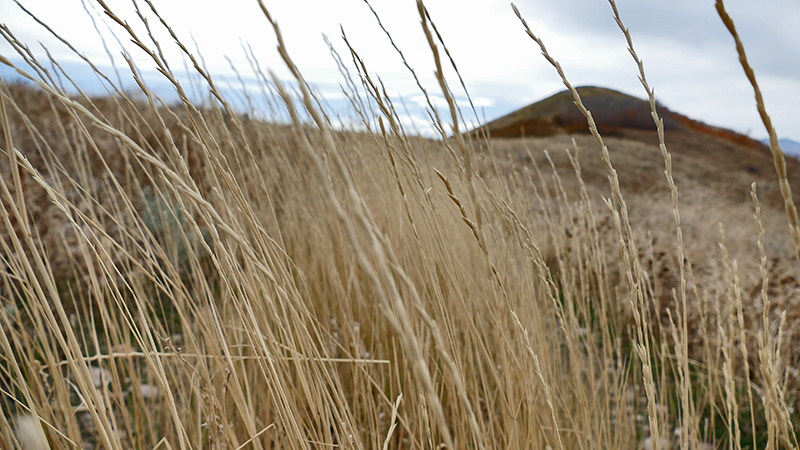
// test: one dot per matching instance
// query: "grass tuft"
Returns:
(190, 275)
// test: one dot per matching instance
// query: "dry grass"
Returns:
(189, 277)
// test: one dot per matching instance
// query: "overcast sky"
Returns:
(689, 56)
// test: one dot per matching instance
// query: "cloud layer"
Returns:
(689, 56)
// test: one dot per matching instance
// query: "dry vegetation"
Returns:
(189, 277)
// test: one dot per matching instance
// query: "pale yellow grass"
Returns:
(245, 284)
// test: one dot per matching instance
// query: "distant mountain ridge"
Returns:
(788, 146)
(614, 112)
(705, 155)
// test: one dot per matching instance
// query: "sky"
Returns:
(689, 57)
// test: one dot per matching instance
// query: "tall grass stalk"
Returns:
(191, 275)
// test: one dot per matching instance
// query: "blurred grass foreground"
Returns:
(188, 275)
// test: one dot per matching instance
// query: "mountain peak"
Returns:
(614, 112)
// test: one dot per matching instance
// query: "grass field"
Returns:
(187, 276)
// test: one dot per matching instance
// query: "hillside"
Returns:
(614, 112)
(185, 276)
(713, 156)
(182, 248)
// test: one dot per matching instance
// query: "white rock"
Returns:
(30, 434)
(100, 377)
(149, 391)
(176, 339)
(647, 444)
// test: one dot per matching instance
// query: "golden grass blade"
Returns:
(774, 145)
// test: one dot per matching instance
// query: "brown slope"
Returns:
(615, 113)
(714, 157)
(557, 114)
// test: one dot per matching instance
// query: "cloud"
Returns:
(688, 54)
(437, 101)
(418, 125)
(478, 102)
